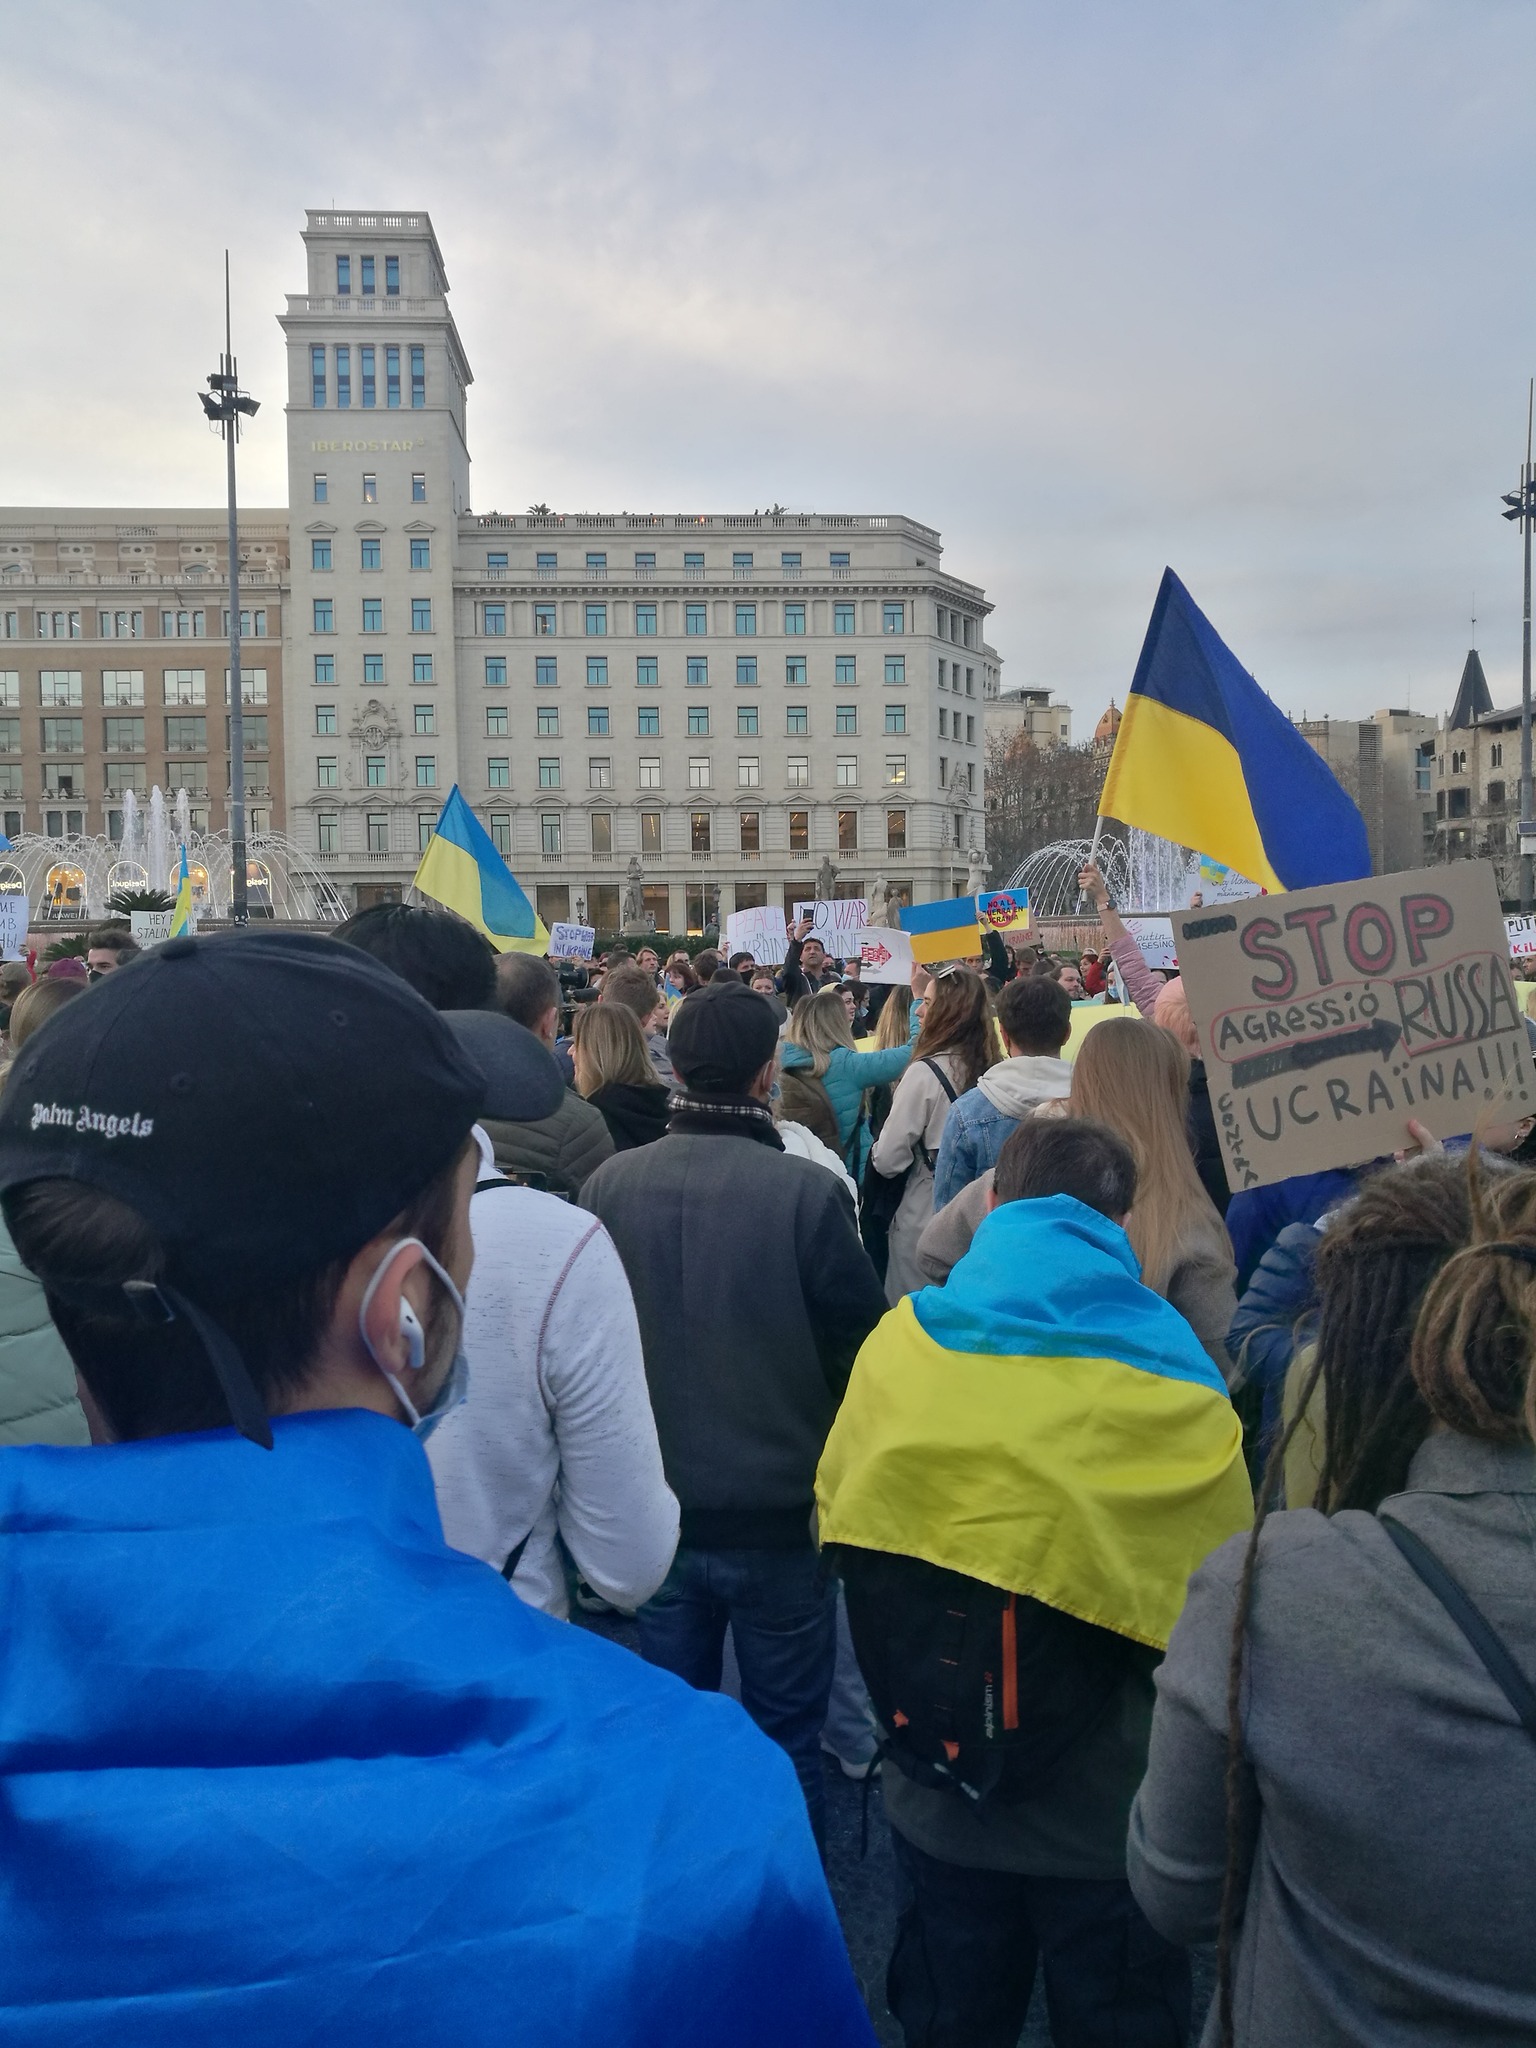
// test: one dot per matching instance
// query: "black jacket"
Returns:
(794, 982)
(634, 1115)
(754, 1295)
(556, 1153)
(1204, 1140)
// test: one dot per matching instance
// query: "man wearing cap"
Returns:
(754, 1295)
(277, 1763)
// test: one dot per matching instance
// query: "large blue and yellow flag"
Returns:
(462, 870)
(1204, 758)
(181, 910)
(1044, 1423)
(946, 930)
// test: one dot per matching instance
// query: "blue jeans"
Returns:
(781, 1615)
(968, 1944)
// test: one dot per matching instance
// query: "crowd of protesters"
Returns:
(894, 1354)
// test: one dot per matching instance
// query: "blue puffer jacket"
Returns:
(1278, 1302)
(848, 1074)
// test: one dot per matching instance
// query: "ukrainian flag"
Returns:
(1204, 758)
(181, 910)
(942, 931)
(1044, 1423)
(462, 870)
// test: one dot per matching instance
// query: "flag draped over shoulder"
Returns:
(1204, 758)
(462, 870)
(1043, 1423)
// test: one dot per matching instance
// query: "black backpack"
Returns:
(976, 1690)
(881, 1194)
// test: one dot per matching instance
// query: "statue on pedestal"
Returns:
(633, 919)
(826, 879)
(976, 873)
(881, 903)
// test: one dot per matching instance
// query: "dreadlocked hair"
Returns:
(1474, 1350)
(1380, 1263)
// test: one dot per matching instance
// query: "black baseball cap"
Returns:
(266, 1100)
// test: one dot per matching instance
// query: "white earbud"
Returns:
(414, 1335)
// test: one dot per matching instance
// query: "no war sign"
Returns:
(1328, 1017)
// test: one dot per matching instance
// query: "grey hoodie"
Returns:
(1015, 1086)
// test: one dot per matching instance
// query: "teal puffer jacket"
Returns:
(37, 1375)
(848, 1074)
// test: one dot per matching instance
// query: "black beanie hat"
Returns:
(721, 1036)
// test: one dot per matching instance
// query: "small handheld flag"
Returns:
(942, 931)
(462, 870)
(181, 914)
(1204, 758)
(1004, 910)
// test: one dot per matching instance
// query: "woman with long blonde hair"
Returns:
(1134, 1076)
(615, 1074)
(819, 1043)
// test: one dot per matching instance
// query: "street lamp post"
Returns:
(1521, 505)
(225, 404)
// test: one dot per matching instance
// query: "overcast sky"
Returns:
(1090, 288)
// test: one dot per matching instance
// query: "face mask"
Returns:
(455, 1386)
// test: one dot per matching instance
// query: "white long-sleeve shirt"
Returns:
(557, 1432)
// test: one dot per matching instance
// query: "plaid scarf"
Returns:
(721, 1116)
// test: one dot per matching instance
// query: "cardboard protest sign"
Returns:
(759, 932)
(1154, 935)
(1328, 1017)
(1521, 934)
(150, 927)
(1003, 910)
(882, 954)
(15, 914)
(571, 941)
(836, 923)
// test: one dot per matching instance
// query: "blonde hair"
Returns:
(819, 1025)
(894, 1024)
(612, 1047)
(1134, 1077)
(34, 1006)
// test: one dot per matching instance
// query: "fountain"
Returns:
(69, 879)
(1144, 873)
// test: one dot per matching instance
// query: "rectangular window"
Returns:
(343, 276)
(970, 732)
(698, 771)
(373, 614)
(367, 286)
(799, 831)
(970, 777)
(650, 831)
(699, 831)
(597, 621)
(319, 554)
(838, 559)
(549, 832)
(693, 564)
(365, 372)
(325, 615)
(597, 671)
(426, 771)
(186, 686)
(895, 668)
(421, 554)
(392, 277)
(317, 378)
(327, 772)
(846, 668)
(378, 831)
(650, 722)
(327, 831)
(750, 827)
(789, 564)
(426, 826)
(373, 668)
(794, 668)
(122, 686)
(895, 618)
(794, 618)
(597, 564)
(943, 771)
(645, 618)
(746, 671)
(695, 618)
(343, 376)
(424, 720)
(392, 381)
(842, 618)
(746, 621)
(322, 488)
(422, 670)
(797, 771)
(847, 770)
(645, 561)
(375, 770)
(418, 378)
(650, 771)
(120, 735)
(970, 677)
(370, 487)
(748, 771)
(599, 772)
(647, 674)
(419, 488)
(421, 614)
(501, 832)
(895, 831)
(498, 772)
(943, 723)
(895, 717)
(66, 625)
(846, 717)
(740, 562)
(547, 717)
(545, 672)
(493, 620)
(186, 734)
(495, 721)
(597, 721)
(255, 734)
(113, 625)
(698, 672)
(847, 831)
(495, 561)
(895, 768)
(797, 721)
(546, 564)
(698, 720)
(746, 721)
(10, 693)
(325, 718)
(601, 823)
(253, 625)
(549, 772)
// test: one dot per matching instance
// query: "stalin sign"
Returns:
(1328, 1017)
